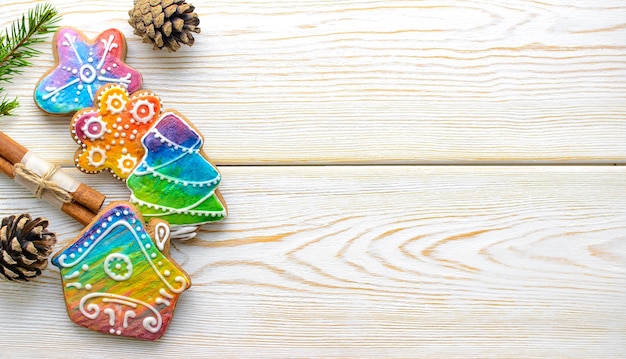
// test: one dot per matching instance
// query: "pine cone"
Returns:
(25, 245)
(164, 23)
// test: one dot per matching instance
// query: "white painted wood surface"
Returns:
(382, 260)
(379, 81)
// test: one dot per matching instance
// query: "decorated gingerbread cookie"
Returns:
(175, 181)
(110, 133)
(118, 277)
(82, 66)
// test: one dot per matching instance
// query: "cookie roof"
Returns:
(96, 234)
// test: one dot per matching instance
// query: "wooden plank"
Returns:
(383, 261)
(375, 82)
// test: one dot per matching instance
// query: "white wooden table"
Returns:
(404, 179)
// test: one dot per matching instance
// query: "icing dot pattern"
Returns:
(174, 180)
(83, 67)
(116, 280)
(109, 134)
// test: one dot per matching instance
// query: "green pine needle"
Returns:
(16, 45)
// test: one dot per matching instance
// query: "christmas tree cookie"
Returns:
(118, 277)
(175, 181)
(110, 133)
(82, 66)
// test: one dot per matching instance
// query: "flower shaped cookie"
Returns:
(83, 66)
(110, 133)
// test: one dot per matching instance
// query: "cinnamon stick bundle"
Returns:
(76, 199)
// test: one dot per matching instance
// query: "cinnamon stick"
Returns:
(6, 167)
(13, 152)
(78, 212)
(73, 209)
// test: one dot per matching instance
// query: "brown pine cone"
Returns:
(25, 245)
(164, 23)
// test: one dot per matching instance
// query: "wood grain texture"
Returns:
(376, 81)
(375, 262)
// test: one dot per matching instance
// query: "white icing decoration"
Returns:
(71, 42)
(76, 285)
(92, 153)
(184, 284)
(124, 81)
(163, 139)
(127, 315)
(143, 111)
(164, 293)
(108, 45)
(56, 91)
(72, 275)
(88, 286)
(90, 91)
(162, 234)
(94, 128)
(111, 314)
(151, 324)
(126, 163)
(120, 301)
(87, 73)
(85, 267)
(169, 210)
(125, 264)
(160, 300)
(111, 103)
(153, 171)
(166, 273)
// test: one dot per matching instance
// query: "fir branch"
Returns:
(16, 45)
(6, 106)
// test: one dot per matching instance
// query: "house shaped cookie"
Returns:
(117, 275)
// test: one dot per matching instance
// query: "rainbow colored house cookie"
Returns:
(175, 181)
(82, 66)
(117, 275)
(110, 133)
